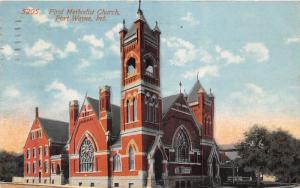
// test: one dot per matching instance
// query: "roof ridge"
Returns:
(53, 120)
(172, 95)
(98, 101)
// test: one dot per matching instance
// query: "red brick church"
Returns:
(147, 141)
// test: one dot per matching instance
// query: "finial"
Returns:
(139, 5)
(124, 24)
(180, 84)
(210, 90)
(156, 28)
(198, 75)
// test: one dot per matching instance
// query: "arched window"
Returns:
(117, 162)
(182, 147)
(149, 68)
(131, 158)
(128, 110)
(86, 156)
(130, 66)
(134, 109)
(151, 109)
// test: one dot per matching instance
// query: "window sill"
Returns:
(88, 172)
(130, 75)
(131, 122)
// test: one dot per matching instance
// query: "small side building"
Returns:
(45, 142)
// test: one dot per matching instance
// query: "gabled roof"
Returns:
(167, 102)
(193, 95)
(115, 112)
(95, 104)
(56, 130)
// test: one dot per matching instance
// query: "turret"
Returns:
(105, 108)
(74, 110)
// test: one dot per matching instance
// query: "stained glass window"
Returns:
(86, 156)
(182, 147)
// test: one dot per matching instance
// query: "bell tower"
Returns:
(141, 106)
(140, 58)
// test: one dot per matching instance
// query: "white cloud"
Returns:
(113, 33)
(205, 56)
(11, 91)
(228, 56)
(292, 40)
(96, 45)
(251, 93)
(208, 70)
(62, 95)
(44, 52)
(185, 51)
(253, 98)
(190, 19)
(42, 18)
(13, 101)
(93, 40)
(7, 51)
(256, 50)
(254, 89)
(71, 47)
(62, 92)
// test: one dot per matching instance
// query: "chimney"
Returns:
(36, 112)
(74, 112)
(105, 107)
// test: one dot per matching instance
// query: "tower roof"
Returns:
(140, 17)
(193, 95)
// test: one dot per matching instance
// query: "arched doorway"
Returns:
(214, 168)
(158, 167)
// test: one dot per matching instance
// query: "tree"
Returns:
(284, 156)
(10, 165)
(253, 151)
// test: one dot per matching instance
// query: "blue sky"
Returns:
(247, 52)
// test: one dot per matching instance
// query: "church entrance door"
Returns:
(40, 176)
(158, 167)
